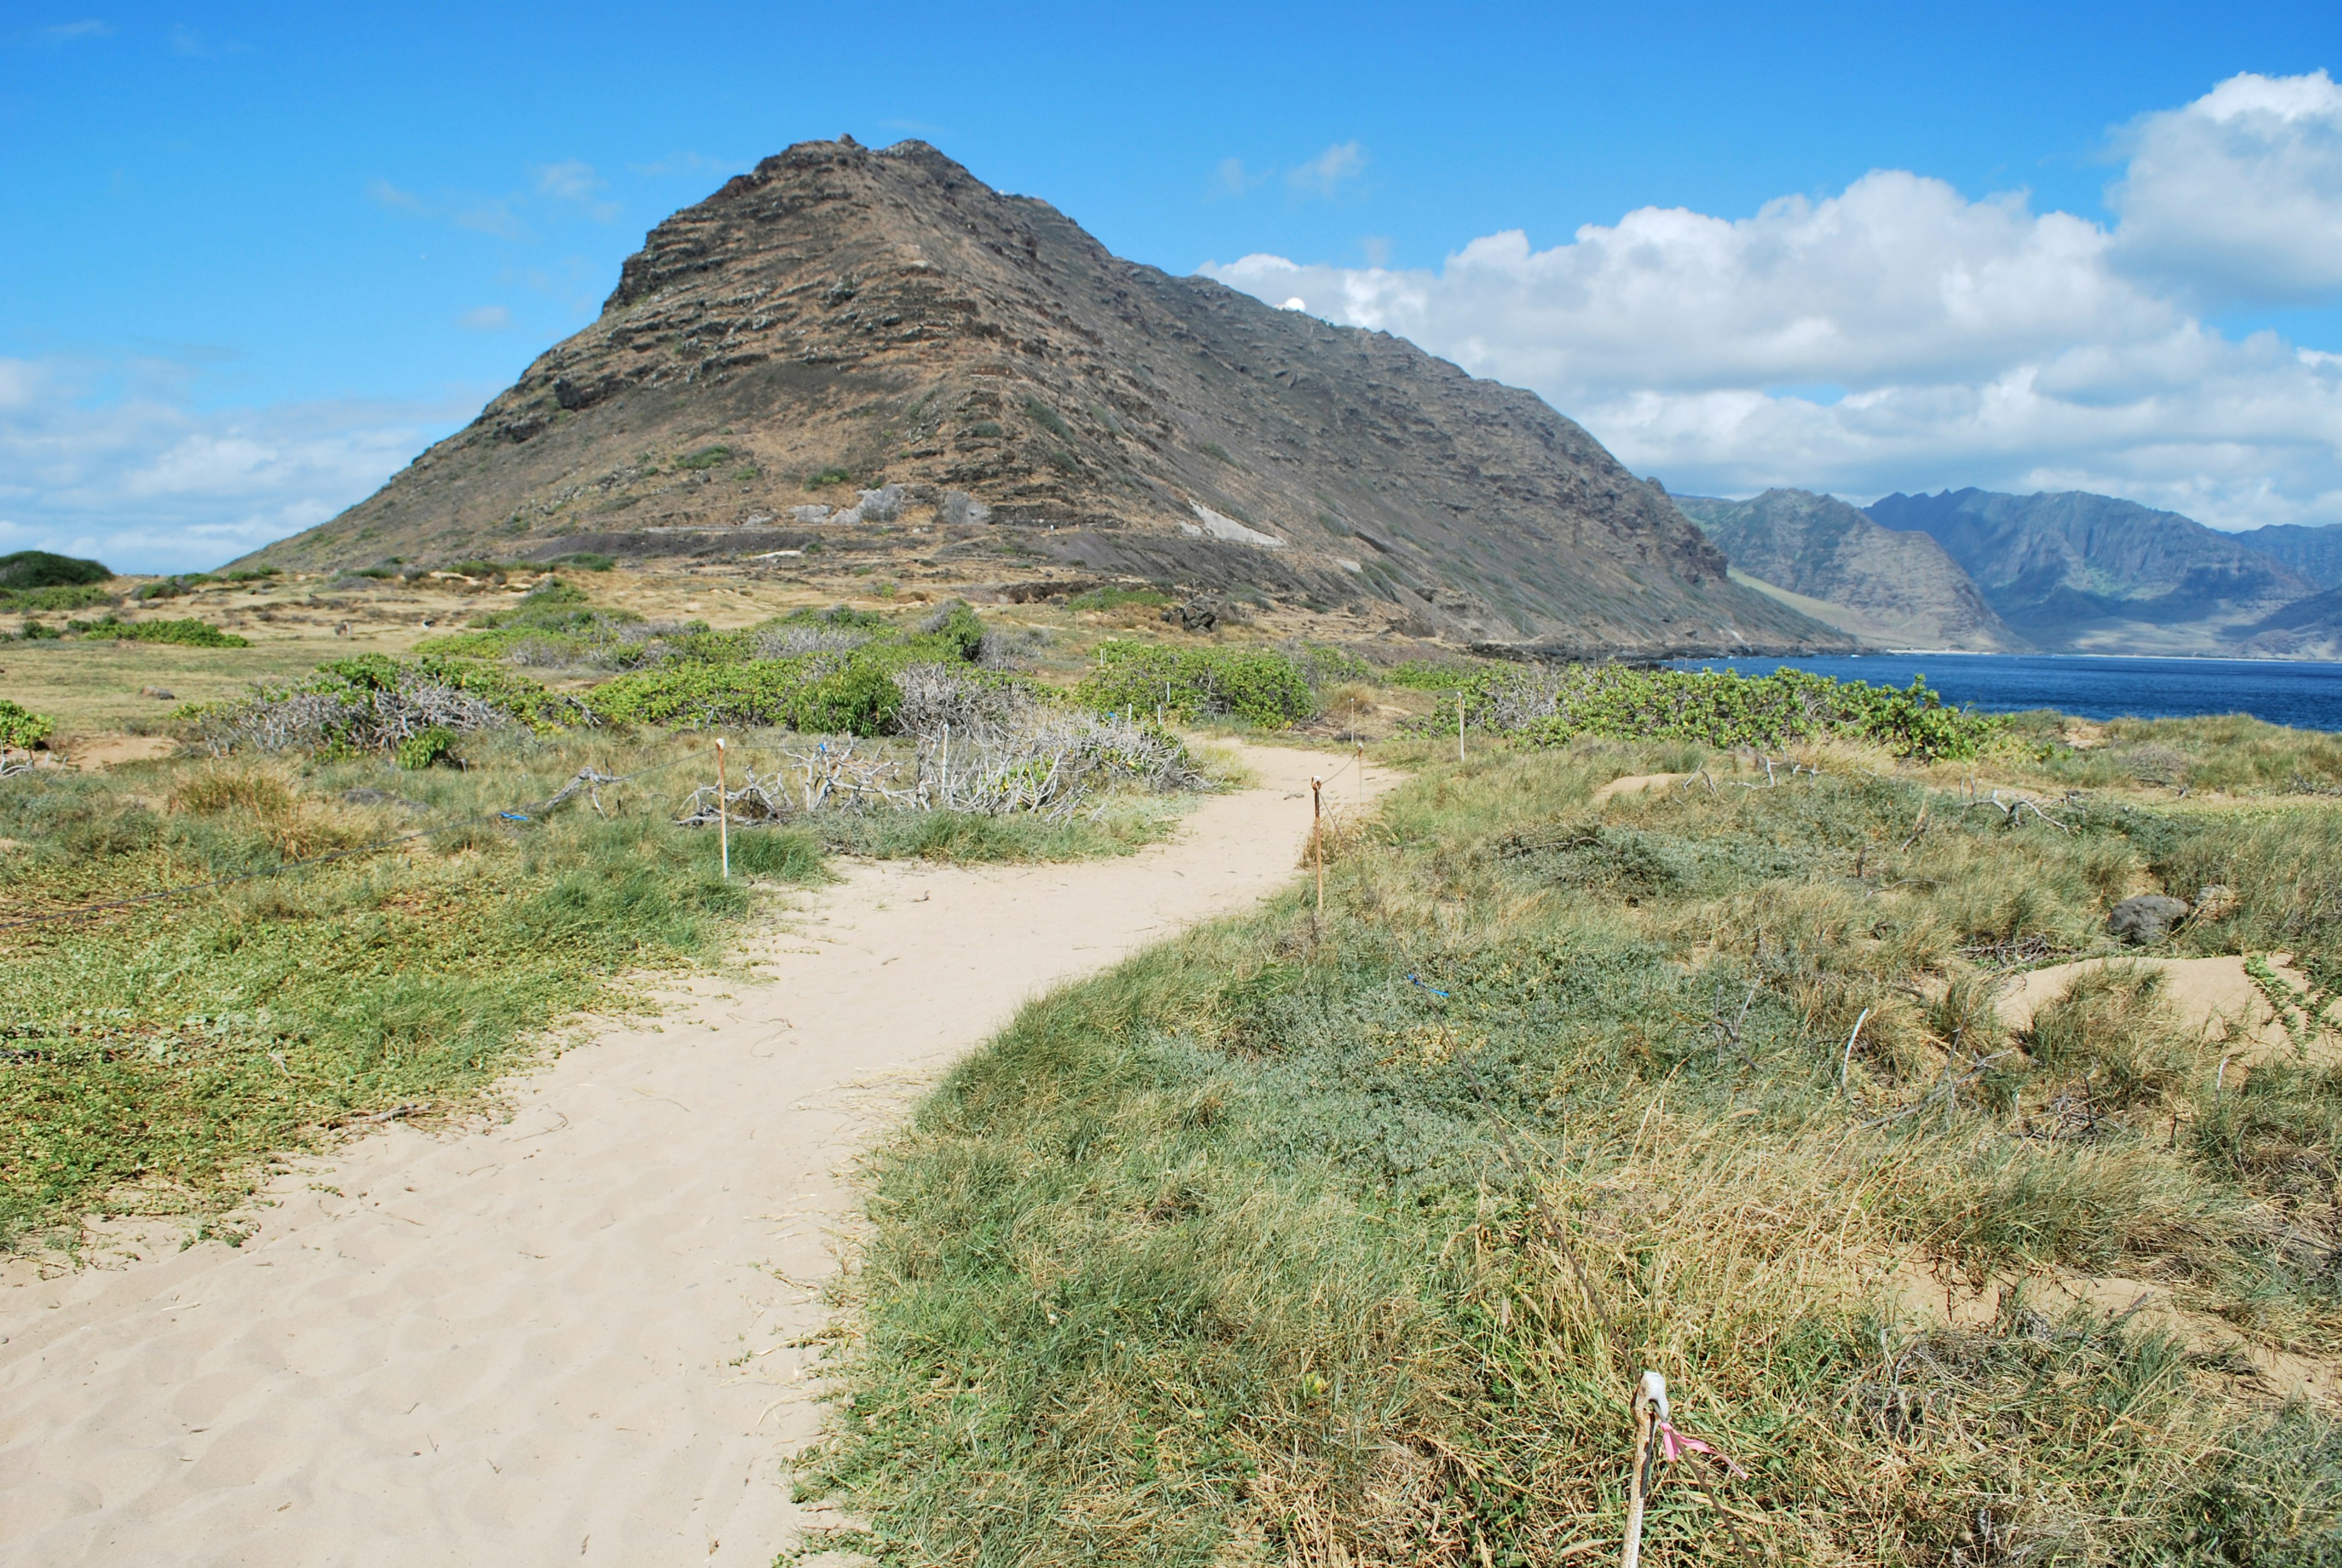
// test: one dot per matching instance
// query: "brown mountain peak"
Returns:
(840, 319)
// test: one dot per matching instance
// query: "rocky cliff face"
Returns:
(2315, 553)
(1895, 589)
(2073, 571)
(841, 321)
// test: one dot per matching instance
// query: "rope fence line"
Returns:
(587, 778)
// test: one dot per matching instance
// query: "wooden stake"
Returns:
(1650, 1409)
(723, 812)
(1317, 837)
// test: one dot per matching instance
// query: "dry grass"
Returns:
(1259, 1249)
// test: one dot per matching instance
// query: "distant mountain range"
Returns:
(2060, 572)
(2078, 573)
(2315, 553)
(1821, 555)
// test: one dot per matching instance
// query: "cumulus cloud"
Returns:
(1895, 335)
(116, 460)
(2241, 193)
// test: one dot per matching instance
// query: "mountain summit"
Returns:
(846, 346)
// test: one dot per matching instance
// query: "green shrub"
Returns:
(1422, 675)
(1261, 684)
(986, 428)
(426, 747)
(40, 569)
(586, 560)
(186, 633)
(1324, 664)
(374, 702)
(959, 629)
(21, 728)
(1111, 598)
(705, 457)
(1046, 419)
(1551, 705)
(817, 692)
(76, 597)
(829, 476)
(250, 574)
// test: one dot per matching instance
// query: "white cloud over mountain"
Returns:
(1899, 336)
(145, 480)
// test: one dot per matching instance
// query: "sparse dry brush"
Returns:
(1261, 1249)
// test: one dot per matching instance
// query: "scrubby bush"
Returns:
(27, 599)
(186, 633)
(1550, 705)
(21, 728)
(377, 704)
(834, 671)
(433, 745)
(1268, 687)
(41, 569)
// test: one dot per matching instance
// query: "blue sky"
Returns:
(259, 256)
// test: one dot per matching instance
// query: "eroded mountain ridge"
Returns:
(843, 320)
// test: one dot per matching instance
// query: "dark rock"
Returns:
(1198, 614)
(2145, 919)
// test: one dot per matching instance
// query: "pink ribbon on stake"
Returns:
(1672, 1444)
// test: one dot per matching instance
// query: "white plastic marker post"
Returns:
(1362, 775)
(723, 812)
(1650, 1414)
(1459, 726)
(947, 767)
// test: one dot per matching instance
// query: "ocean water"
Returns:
(2305, 696)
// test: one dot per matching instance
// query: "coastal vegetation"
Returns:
(1342, 1240)
(1660, 1032)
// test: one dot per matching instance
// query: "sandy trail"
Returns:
(565, 1338)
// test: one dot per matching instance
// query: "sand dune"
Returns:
(566, 1337)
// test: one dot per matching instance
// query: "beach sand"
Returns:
(571, 1335)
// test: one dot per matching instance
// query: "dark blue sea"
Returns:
(2305, 696)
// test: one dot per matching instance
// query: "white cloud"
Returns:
(486, 318)
(193, 45)
(577, 182)
(1329, 170)
(1231, 178)
(1896, 336)
(115, 461)
(480, 214)
(2241, 193)
(75, 32)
